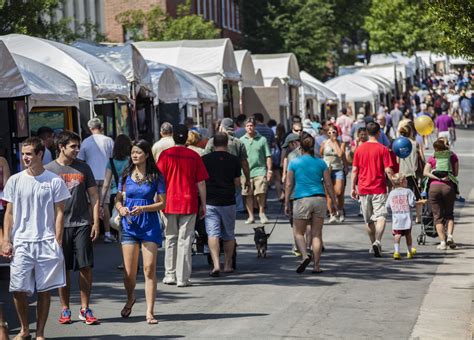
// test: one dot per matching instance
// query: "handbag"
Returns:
(115, 219)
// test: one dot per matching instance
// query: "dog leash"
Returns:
(276, 221)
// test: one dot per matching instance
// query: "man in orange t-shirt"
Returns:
(371, 163)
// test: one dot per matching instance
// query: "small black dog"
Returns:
(260, 238)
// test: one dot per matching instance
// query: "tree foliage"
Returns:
(399, 25)
(159, 26)
(32, 17)
(454, 23)
(303, 27)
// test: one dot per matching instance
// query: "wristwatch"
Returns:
(4, 324)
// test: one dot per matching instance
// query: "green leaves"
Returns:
(160, 26)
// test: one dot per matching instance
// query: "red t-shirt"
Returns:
(371, 159)
(396, 166)
(182, 169)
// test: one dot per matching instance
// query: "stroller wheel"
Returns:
(424, 240)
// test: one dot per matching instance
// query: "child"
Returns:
(400, 200)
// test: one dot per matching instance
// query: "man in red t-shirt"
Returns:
(185, 178)
(371, 163)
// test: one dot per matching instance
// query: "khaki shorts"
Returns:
(258, 185)
(373, 207)
(308, 207)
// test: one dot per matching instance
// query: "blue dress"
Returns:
(146, 226)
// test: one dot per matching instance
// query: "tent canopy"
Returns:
(259, 78)
(354, 92)
(460, 61)
(45, 86)
(193, 89)
(284, 66)
(126, 59)
(246, 68)
(202, 57)
(93, 77)
(165, 84)
(426, 57)
(326, 93)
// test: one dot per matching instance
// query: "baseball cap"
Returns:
(290, 138)
(227, 124)
(180, 134)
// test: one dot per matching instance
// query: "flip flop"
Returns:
(216, 273)
(151, 321)
(317, 272)
(127, 310)
(301, 268)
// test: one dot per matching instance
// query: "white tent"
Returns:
(460, 61)
(126, 59)
(325, 92)
(212, 60)
(259, 78)
(93, 77)
(165, 84)
(353, 90)
(246, 68)
(193, 89)
(43, 85)
(284, 66)
(426, 57)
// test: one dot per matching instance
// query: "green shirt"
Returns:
(257, 152)
(234, 147)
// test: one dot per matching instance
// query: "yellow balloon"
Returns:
(424, 125)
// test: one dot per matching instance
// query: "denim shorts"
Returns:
(129, 239)
(337, 175)
(220, 221)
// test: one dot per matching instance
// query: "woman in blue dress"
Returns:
(141, 195)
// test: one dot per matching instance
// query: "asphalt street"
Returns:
(357, 297)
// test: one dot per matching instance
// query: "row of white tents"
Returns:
(204, 79)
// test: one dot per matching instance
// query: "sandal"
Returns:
(127, 310)
(317, 271)
(301, 268)
(151, 321)
(215, 273)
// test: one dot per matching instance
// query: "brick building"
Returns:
(224, 13)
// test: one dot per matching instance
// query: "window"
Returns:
(223, 13)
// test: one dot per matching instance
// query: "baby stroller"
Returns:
(428, 227)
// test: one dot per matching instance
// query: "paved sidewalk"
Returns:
(447, 309)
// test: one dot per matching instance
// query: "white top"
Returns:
(162, 145)
(33, 199)
(400, 200)
(96, 151)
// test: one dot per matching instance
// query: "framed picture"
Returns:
(21, 119)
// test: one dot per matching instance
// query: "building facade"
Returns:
(102, 13)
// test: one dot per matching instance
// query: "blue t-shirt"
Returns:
(308, 173)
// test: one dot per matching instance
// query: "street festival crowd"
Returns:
(145, 194)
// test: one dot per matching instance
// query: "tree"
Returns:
(303, 27)
(160, 26)
(189, 26)
(454, 23)
(32, 18)
(399, 25)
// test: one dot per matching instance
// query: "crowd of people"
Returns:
(145, 193)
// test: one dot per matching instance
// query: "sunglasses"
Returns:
(297, 130)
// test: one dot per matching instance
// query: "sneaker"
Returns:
(249, 221)
(342, 218)
(442, 246)
(169, 281)
(186, 283)
(86, 315)
(410, 255)
(65, 317)
(413, 251)
(396, 256)
(263, 218)
(296, 252)
(377, 249)
(110, 239)
(450, 242)
(332, 219)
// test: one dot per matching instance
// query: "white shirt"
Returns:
(96, 151)
(33, 199)
(163, 144)
(400, 200)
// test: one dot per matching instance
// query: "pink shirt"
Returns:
(345, 123)
(432, 161)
